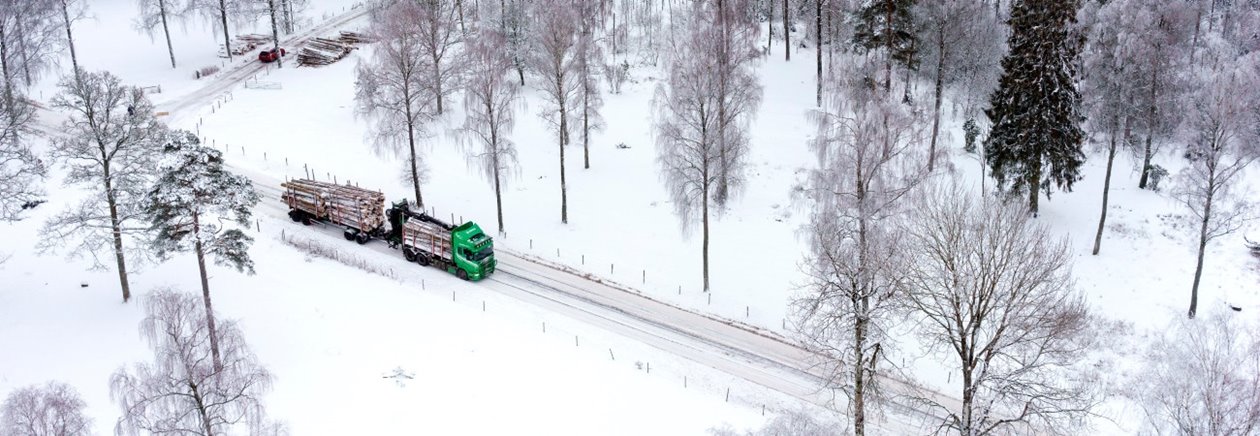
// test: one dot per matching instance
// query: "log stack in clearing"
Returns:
(345, 205)
(324, 51)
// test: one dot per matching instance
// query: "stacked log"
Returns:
(344, 205)
(324, 51)
(354, 38)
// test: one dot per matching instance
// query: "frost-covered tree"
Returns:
(888, 27)
(220, 12)
(154, 13)
(72, 11)
(489, 99)
(390, 90)
(1201, 377)
(686, 107)
(439, 35)
(995, 294)
(738, 89)
(1155, 45)
(869, 158)
(21, 171)
(1036, 136)
(190, 202)
(54, 409)
(1223, 141)
(953, 33)
(181, 391)
(554, 59)
(31, 38)
(111, 147)
(590, 56)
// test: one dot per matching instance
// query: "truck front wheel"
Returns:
(463, 275)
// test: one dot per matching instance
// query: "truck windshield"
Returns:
(483, 253)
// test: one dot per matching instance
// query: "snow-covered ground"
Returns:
(330, 332)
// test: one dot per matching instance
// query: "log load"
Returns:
(349, 206)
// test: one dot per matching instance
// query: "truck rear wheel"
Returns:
(409, 255)
(295, 215)
(306, 220)
(349, 234)
(362, 238)
(422, 259)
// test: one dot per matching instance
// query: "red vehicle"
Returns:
(270, 55)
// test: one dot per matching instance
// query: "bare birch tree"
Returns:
(1107, 91)
(868, 148)
(739, 92)
(54, 409)
(489, 99)
(995, 293)
(220, 12)
(31, 38)
(589, 59)
(686, 106)
(21, 171)
(438, 34)
(111, 145)
(948, 29)
(154, 13)
(1201, 377)
(181, 391)
(72, 11)
(555, 61)
(390, 90)
(1158, 47)
(1224, 140)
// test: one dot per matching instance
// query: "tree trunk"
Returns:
(4, 66)
(859, 376)
(936, 106)
(275, 33)
(787, 34)
(818, 50)
(74, 59)
(564, 140)
(704, 217)
(770, 25)
(968, 397)
(586, 120)
(1102, 220)
(205, 295)
(199, 400)
(1151, 112)
(1198, 268)
(888, 45)
(415, 172)
(116, 228)
(166, 31)
(1034, 185)
(498, 199)
(227, 39)
(459, 6)
(23, 49)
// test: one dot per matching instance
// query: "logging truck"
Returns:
(463, 250)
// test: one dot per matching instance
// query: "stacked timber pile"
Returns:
(324, 51)
(346, 205)
(354, 38)
(243, 44)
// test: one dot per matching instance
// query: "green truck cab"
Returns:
(463, 250)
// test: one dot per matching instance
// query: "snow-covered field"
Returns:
(331, 333)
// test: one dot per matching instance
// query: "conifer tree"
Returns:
(888, 26)
(1036, 137)
(187, 207)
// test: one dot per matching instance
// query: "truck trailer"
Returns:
(463, 250)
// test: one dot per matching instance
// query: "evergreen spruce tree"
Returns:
(887, 25)
(186, 208)
(1035, 111)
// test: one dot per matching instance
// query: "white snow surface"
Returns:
(330, 332)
